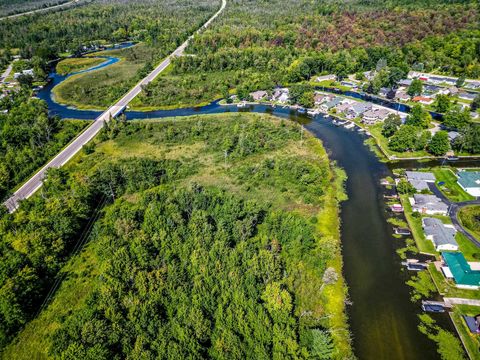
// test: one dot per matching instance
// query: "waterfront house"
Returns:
(473, 323)
(442, 236)
(281, 95)
(428, 204)
(460, 270)
(343, 107)
(466, 95)
(423, 100)
(405, 82)
(331, 104)
(472, 84)
(375, 115)
(453, 90)
(319, 98)
(258, 95)
(329, 77)
(419, 179)
(402, 95)
(470, 182)
(452, 135)
(384, 91)
(358, 108)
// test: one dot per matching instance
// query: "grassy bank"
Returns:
(70, 65)
(470, 341)
(263, 169)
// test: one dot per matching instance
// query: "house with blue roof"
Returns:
(470, 182)
(460, 270)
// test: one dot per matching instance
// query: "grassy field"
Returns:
(99, 89)
(469, 216)
(450, 188)
(70, 65)
(151, 140)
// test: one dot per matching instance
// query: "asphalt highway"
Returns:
(36, 181)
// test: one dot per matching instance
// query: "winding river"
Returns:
(382, 317)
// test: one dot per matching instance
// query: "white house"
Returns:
(470, 182)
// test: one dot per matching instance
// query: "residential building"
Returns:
(466, 95)
(472, 84)
(419, 179)
(319, 98)
(442, 236)
(331, 104)
(358, 108)
(470, 182)
(281, 95)
(452, 135)
(428, 204)
(460, 270)
(328, 77)
(405, 82)
(375, 115)
(453, 90)
(258, 95)
(402, 95)
(423, 99)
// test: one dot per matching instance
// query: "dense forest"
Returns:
(256, 45)
(29, 137)
(255, 192)
(162, 25)
(10, 7)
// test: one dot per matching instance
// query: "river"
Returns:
(383, 320)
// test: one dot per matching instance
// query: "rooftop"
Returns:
(462, 273)
(442, 235)
(469, 179)
(420, 175)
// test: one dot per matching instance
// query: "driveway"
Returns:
(453, 210)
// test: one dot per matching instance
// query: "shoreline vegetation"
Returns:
(297, 202)
(72, 65)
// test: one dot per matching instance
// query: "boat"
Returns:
(433, 306)
(340, 123)
(301, 110)
(242, 104)
(396, 208)
(452, 158)
(402, 231)
(349, 125)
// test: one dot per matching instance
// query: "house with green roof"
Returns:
(470, 182)
(461, 271)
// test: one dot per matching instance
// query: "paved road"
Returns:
(67, 4)
(453, 210)
(34, 183)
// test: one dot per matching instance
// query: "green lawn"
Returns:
(450, 189)
(424, 245)
(469, 249)
(382, 141)
(469, 216)
(470, 341)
